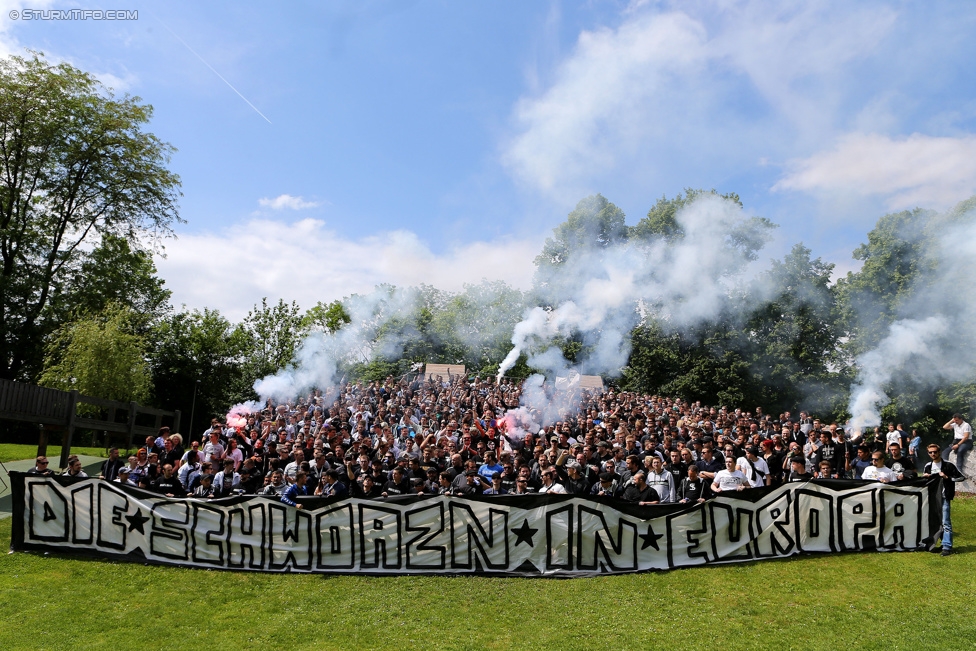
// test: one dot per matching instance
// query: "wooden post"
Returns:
(132, 422)
(176, 425)
(42, 442)
(69, 428)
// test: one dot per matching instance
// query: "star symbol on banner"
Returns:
(524, 534)
(136, 521)
(650, 539)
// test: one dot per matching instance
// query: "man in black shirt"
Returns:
(708, 465)
(901, 465)
(398, 484)
(830, 452)
(168, 484)
(41, 467)
(110, 468)
(692, 488)
(367, 490)
(798, 471)
(639, 491)
(677, 467)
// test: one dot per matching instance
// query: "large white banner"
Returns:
(508, 535)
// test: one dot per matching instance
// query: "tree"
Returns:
(274, 334)
(75, 164)
(792, 335)
(746, 237)
(894, 259)
(114, 272)
(204, 346)
(327, 318)
(100, 356)
(595, 223)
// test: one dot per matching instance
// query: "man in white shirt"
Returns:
(878, 471)
(962, 440)
(755, 468)
(549, 483)
(729, 479)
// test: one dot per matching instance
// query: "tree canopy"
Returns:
(76, 164)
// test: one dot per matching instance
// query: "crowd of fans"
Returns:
(438, 436)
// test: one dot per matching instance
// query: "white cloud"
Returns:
(287, 202)
(676, 87)
(919, 170)
(307, 262)
(8, 43)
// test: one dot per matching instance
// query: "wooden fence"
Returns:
(60, 410)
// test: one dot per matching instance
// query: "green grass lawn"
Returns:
(870, 601)
(15, 452)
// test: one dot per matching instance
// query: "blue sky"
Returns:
(440, 142)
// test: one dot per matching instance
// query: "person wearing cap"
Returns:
(123, 477)
(432, 483)
(950, 476)
(496, 486)
(41, 467)
(571, 477)
(251, 478)
(900, 464)
(798, 469)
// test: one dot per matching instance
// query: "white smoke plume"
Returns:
(933, 343)
(321, 355)
(603, 294)
(381, 323)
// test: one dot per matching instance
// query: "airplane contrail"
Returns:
(231, 86)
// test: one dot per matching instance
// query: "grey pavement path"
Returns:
(91, 465)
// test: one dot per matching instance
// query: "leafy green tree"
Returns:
(475, 326)
(327, 317)
(204, 346)
(792, 335)
(274, 333)
(661, 222)
(704, 364)
(893, 261)
(100, 356)
(595, 223)
(114, 272)
(75, 163)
